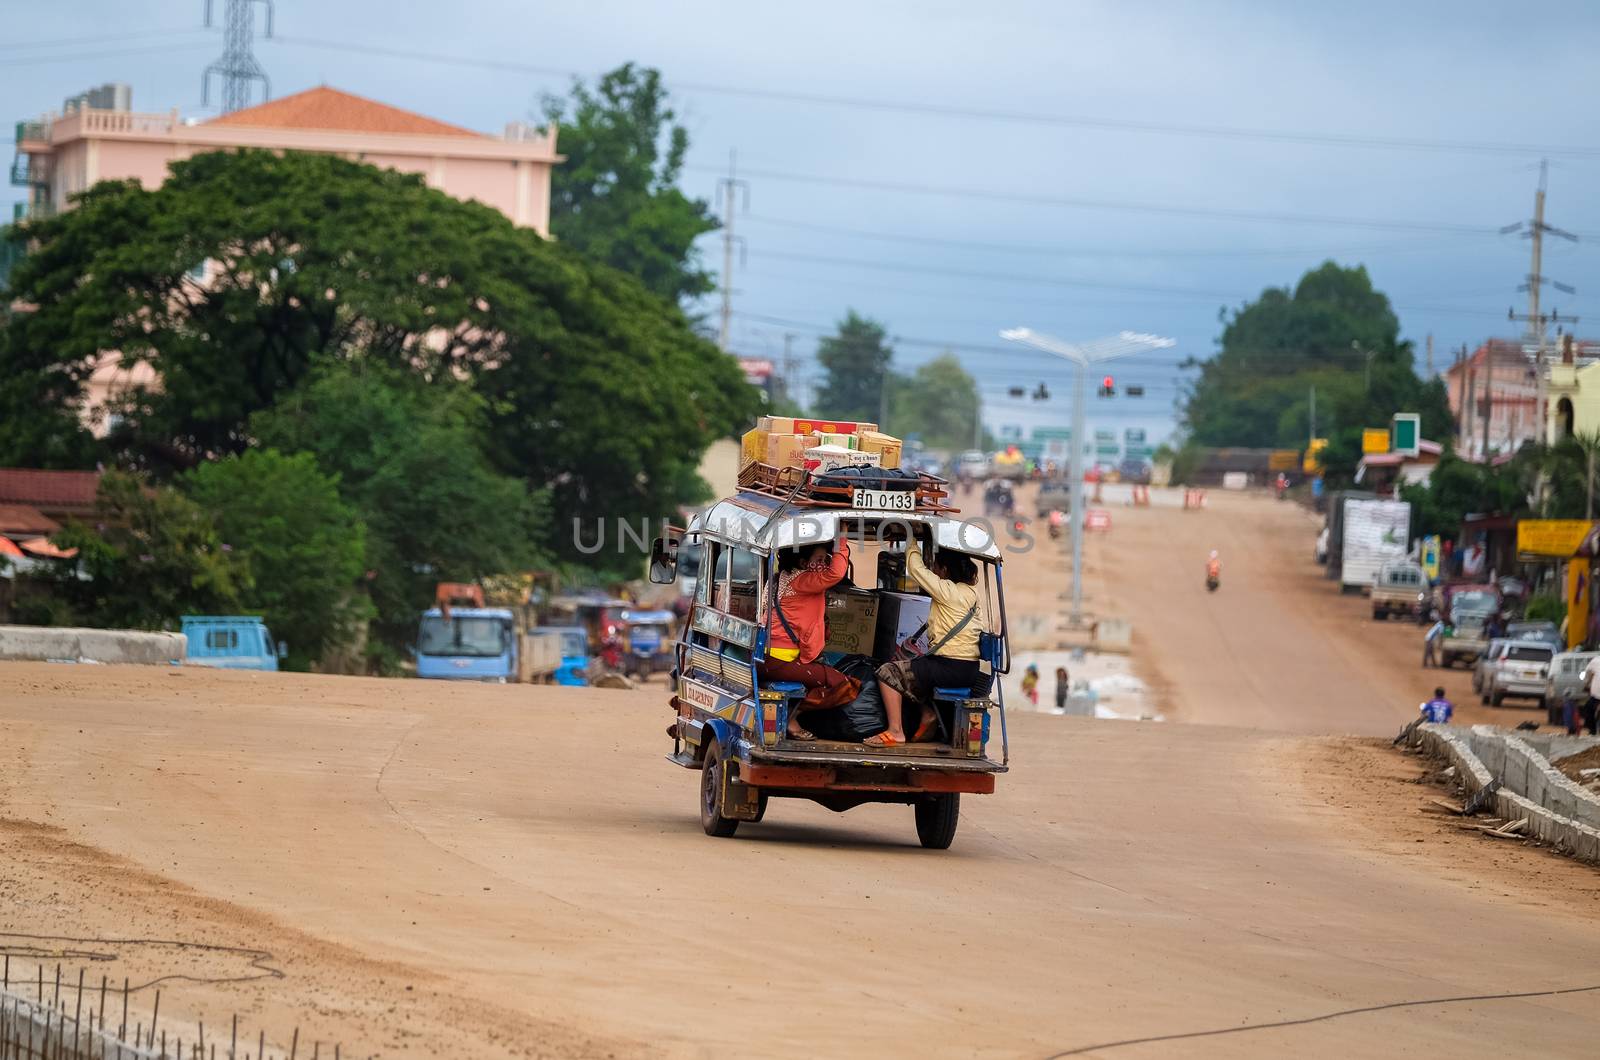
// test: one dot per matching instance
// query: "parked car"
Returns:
(973, 463)
(1543, 632)
(231, 642)
(1564, 681)
(1401, 588)
(1135, 471)
(1512, 668)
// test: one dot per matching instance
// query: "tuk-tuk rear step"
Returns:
(904, 780)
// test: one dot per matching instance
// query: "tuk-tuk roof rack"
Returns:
(797, 486)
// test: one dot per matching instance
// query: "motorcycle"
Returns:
(1212, 581)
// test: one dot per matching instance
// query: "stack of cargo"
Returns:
(818, 445)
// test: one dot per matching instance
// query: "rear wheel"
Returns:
(711, 772)
(1497, 697)
(936, 820)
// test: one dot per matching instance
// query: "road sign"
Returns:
(1405, 433)
(1374, 440)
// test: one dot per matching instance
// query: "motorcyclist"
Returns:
(1214, 567)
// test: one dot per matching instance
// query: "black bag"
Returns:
(874, 478)
(862, 717)
(855, 721)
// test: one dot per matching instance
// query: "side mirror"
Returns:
(664, 559)
(283, 649)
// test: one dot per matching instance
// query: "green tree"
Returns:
(301, 544)
(858, 362)
(1458, 487)
(596, 389)
(1334, 332)
(151, 556)
(616, 197)
(938, 403)
(408, 456)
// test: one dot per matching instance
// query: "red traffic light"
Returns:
(1108, 384)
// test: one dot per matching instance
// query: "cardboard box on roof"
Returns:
(887, 446)
(753, 447)
(827, 426)
(852, 621)
(824, 458)
(845, 441)
(788, 450)
(776, 424)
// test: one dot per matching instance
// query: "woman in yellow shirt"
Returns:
(952, 660)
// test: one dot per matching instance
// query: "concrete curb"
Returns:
(68, 644)
(1530, 787)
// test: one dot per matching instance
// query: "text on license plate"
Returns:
(885, 501)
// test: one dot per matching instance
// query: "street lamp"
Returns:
(1082, 355)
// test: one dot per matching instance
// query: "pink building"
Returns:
(1494, 393)
(101, 138)
(66, 154)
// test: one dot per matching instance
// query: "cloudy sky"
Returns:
(954, 168)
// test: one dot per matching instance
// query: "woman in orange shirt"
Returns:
(798, 630)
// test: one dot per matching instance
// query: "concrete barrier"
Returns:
(1558, 812)
(68, 644)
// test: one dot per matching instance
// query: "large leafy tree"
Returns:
(149, 556)
(409, 457)
(858, 361)
(616, 196)
(301, 544)
(596, 389)
(1333, 333)
(938, 403)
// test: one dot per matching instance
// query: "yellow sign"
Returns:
(1551, 537)
(1283, 459)
(1313, 461)
(1375, 440)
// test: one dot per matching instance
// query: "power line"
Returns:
(999, 195)
(167, 34)
(114, 53)
(1098, 252)
(985, 114)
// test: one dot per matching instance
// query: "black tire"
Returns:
(761, 807)
(711, 818)
(936, 820)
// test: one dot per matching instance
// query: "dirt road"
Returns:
(418, 869)
(1278, 646)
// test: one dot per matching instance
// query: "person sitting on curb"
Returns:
(1438, 710)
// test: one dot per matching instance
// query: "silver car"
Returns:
(1513, 668)
(1564, 681)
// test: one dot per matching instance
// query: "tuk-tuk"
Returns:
(574, 668)
(733, 727)
(651, 642)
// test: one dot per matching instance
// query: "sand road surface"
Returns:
(417, 869)
(480, 871)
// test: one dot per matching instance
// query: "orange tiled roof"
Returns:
(329, 108)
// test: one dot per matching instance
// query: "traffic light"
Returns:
(1042, 394)
(1017, 391)
(1108, 387)
(1134, 391)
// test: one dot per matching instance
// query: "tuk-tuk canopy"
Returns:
(747, 520)
(649, 618)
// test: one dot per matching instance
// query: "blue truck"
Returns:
(485, 644)
(231, 642)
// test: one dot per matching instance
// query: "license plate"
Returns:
(884, 501)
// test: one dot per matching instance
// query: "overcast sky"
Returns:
(937, 267)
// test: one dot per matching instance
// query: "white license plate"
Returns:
(884, 501)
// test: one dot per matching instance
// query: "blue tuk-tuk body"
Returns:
(733, 727)
(231, 642)
(574, 669)
(652, 642)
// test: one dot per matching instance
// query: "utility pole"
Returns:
(1488, 397)
(1471, 407)
(788, 389)
(1313, 435)
(729, 186)
(1430, 355)
(1537, 320)
(977, 419)
(1462, 435)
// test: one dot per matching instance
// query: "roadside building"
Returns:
(1384, 473)
(1494, 392)
(1574, 391)
(97, 136)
